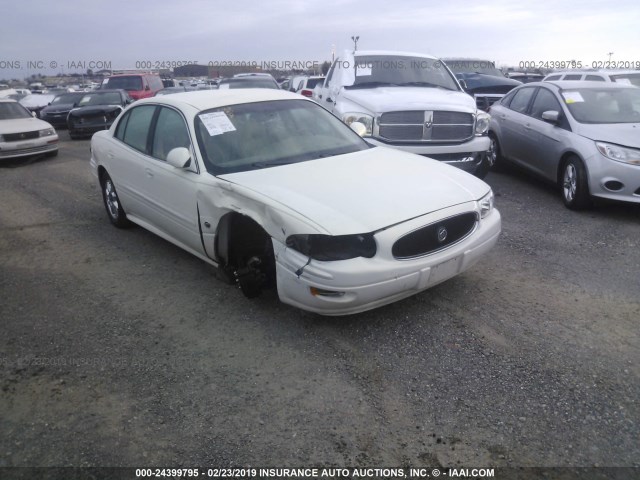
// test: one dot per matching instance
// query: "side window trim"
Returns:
(122, 127)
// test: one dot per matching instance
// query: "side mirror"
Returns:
(179, 157)
(359, 128)
(551, 116)
(334, 90)
(147, 88)
(33, 114)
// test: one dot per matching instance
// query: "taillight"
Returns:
(305, 92)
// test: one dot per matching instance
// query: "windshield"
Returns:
(474, 66)
(381, 70)
(66, 98)
(132, 83)
(604, 105)
(258, 135)
(312, 82)
(627, 78)
(111, 98)
(12, 110)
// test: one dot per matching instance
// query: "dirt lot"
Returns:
(119, 349)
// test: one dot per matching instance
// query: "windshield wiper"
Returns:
(372, 84)
(423, 84)
(272, 163)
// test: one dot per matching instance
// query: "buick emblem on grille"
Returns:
(442, 234)
(428, 124)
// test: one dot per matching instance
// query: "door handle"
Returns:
(149, 172)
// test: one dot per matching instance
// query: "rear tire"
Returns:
(574, 184)
(112, 203)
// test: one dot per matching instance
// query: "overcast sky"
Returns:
(125, 32)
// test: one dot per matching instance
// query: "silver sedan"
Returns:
(583, 136)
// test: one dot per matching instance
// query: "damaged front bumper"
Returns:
(359, 284)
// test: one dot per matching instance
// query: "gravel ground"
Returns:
(119, 349)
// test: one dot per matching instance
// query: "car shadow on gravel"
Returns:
(23, 161)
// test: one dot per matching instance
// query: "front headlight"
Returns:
(47, 132)
(618, 153)
(365, 119)
(329, 248)
(486, 204)
(482, 123)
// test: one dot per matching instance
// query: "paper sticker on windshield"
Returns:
(363, 70)
(217, 123)
(623, 81)
(572, 97)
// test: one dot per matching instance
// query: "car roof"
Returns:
(361, 53)
(568, 84)
(207, 99)
(592, 72)
(573, 84)
(104, 90)
(467, 59)
(7, 100)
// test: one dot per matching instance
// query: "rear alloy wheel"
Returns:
(112, 203)
(575, 187)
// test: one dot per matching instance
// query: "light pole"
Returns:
(610, 53)
(355, 43)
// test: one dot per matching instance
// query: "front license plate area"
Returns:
(444, 270)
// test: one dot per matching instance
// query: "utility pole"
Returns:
(355, 43)
(610, 53)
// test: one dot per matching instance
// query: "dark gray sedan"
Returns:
(583, 136)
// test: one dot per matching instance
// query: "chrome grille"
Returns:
(425, 126)
(436, 236)
(16, 137)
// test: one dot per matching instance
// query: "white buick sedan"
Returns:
(274, 190)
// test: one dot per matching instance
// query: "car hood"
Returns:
(94, 109)
(480, 82)
(22, 125)
(60, 107)
(364, 191)
(36, 101)
(626, 134)
(389, 99)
